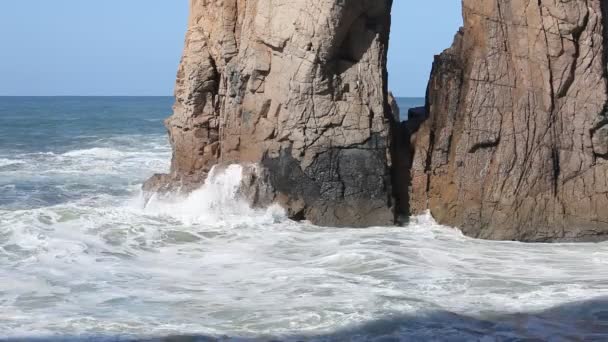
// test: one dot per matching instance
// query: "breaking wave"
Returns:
(216, 202)
(7, 162)
(208, 264)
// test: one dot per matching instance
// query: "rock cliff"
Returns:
(512, 144)
(516, 141)
(298, 88)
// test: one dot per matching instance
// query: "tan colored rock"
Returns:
(298, 87)
(516, 143)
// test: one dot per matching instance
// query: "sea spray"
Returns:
(217, 201)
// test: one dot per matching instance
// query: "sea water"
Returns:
(81, 257)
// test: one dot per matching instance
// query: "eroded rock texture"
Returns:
(516, 143)
(297, 86)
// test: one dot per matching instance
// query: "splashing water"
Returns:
(81, 256)
(217, 202)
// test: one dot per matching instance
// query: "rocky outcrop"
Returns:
(512, 144)
(516, 143)
(297, 87)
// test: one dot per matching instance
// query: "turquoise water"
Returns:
(82, 257)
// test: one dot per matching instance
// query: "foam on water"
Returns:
(80, 254)
(208, 264)
(7, 162)
(38, 179)
(215, 203)
(97, 152)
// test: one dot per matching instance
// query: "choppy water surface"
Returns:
(80, 256)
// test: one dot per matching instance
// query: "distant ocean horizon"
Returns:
(405, 103)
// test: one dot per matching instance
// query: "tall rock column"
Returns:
(516, 143)
(298, 87)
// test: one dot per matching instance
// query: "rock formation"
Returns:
(297, 87)
(512, 144)
(516, 142)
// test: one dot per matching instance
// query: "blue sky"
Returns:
(132, 47)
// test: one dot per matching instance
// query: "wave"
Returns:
(41, 179)
(9, 162)
(216, 202)
(97, 152)
(98, 160)
(208, 263)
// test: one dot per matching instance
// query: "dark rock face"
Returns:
(515, 144)
(298, 87)
(352, 191)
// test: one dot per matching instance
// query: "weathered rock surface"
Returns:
(298, 87)
(516, 144)
(512, 144)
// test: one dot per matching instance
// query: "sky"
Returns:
(133, 47)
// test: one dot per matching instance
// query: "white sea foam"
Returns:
(8, 162)
(97, 152)
(121, 158)
(209, 264)
(215, 203)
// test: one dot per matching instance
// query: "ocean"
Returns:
(82, 258)
(405, 103)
